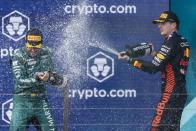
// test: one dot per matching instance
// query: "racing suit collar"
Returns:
(170, 35)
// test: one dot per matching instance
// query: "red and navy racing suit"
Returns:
(172, 61)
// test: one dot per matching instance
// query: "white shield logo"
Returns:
(15, 25)
(100, 67)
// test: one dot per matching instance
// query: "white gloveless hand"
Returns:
(122, 55)
(43, 76)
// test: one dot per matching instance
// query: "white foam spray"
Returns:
(73, 50)
(104, 47)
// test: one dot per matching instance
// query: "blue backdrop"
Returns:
(76, 37)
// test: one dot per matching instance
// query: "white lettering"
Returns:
(88, 9)
(7, 52)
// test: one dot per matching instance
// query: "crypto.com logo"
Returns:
(14, 25)
(7, 108)
(100, 67)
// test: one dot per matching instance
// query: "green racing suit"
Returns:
(29, 99)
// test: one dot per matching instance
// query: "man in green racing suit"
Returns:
(32, 68)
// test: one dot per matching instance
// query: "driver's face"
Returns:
(33, 51)
(167, 28)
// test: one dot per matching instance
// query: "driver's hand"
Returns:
(44, 76)
(123, 56)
